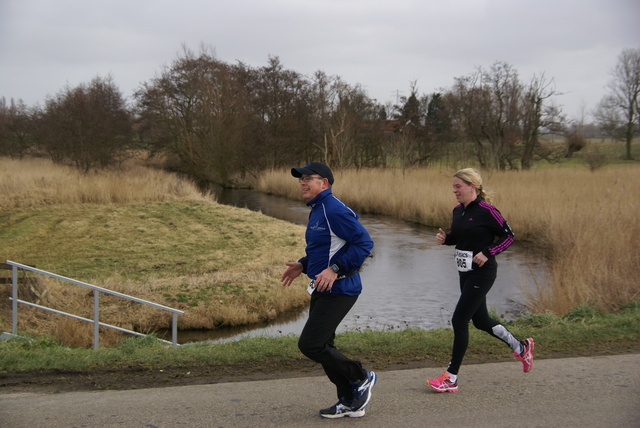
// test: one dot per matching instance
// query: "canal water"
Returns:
(409, 282)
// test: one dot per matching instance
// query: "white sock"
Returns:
(453, 378)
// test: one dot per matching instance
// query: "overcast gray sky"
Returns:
(381, 45)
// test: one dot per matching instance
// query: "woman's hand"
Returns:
(480, 259)
(440, 236)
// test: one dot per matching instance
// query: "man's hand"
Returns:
(293, 270)
(325, 279)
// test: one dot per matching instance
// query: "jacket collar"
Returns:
(472, 203)
(319, 197)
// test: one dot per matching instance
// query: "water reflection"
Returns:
(408, 282)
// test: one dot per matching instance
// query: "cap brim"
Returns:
(299, 172)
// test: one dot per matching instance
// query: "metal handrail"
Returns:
(96, 310)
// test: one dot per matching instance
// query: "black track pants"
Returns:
(326, 311)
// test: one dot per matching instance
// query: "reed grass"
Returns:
(39, 182)
(582, 224)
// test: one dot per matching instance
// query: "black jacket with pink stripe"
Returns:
(480, 228)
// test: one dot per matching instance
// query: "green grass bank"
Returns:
(582, 332)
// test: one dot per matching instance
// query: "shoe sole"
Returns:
(443, 390)
(356, 414)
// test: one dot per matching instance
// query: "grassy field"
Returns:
(144, 233)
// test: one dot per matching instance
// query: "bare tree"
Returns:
(537, 115)
(346, 126)
(618, 112)
(502, 116)
(197, 110)
(15, 128)
(89, 125)
(281, 100)
(323, 96)
(486, 106)
(343, 122)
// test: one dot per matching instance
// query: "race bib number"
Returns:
(464, 259)
(312, 286)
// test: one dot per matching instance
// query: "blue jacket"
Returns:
(334, 235)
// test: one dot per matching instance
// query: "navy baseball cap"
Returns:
(314, 168)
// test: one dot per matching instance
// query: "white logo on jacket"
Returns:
(317, 227)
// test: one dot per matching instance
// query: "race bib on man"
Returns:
(464, 259)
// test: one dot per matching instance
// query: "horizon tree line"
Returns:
(217, 122)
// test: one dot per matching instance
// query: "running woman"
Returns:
(479, 233)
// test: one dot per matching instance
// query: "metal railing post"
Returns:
(96, 319)
(174, 329)
(14, 303)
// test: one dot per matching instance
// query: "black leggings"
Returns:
(326, 311)
(472, 306)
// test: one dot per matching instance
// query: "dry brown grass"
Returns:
(34, 182)
(583, 224)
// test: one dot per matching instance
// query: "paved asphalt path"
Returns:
(570, 392)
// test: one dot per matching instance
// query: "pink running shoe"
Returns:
(527, 355)
(443, 383)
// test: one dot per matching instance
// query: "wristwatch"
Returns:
(335, 268)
